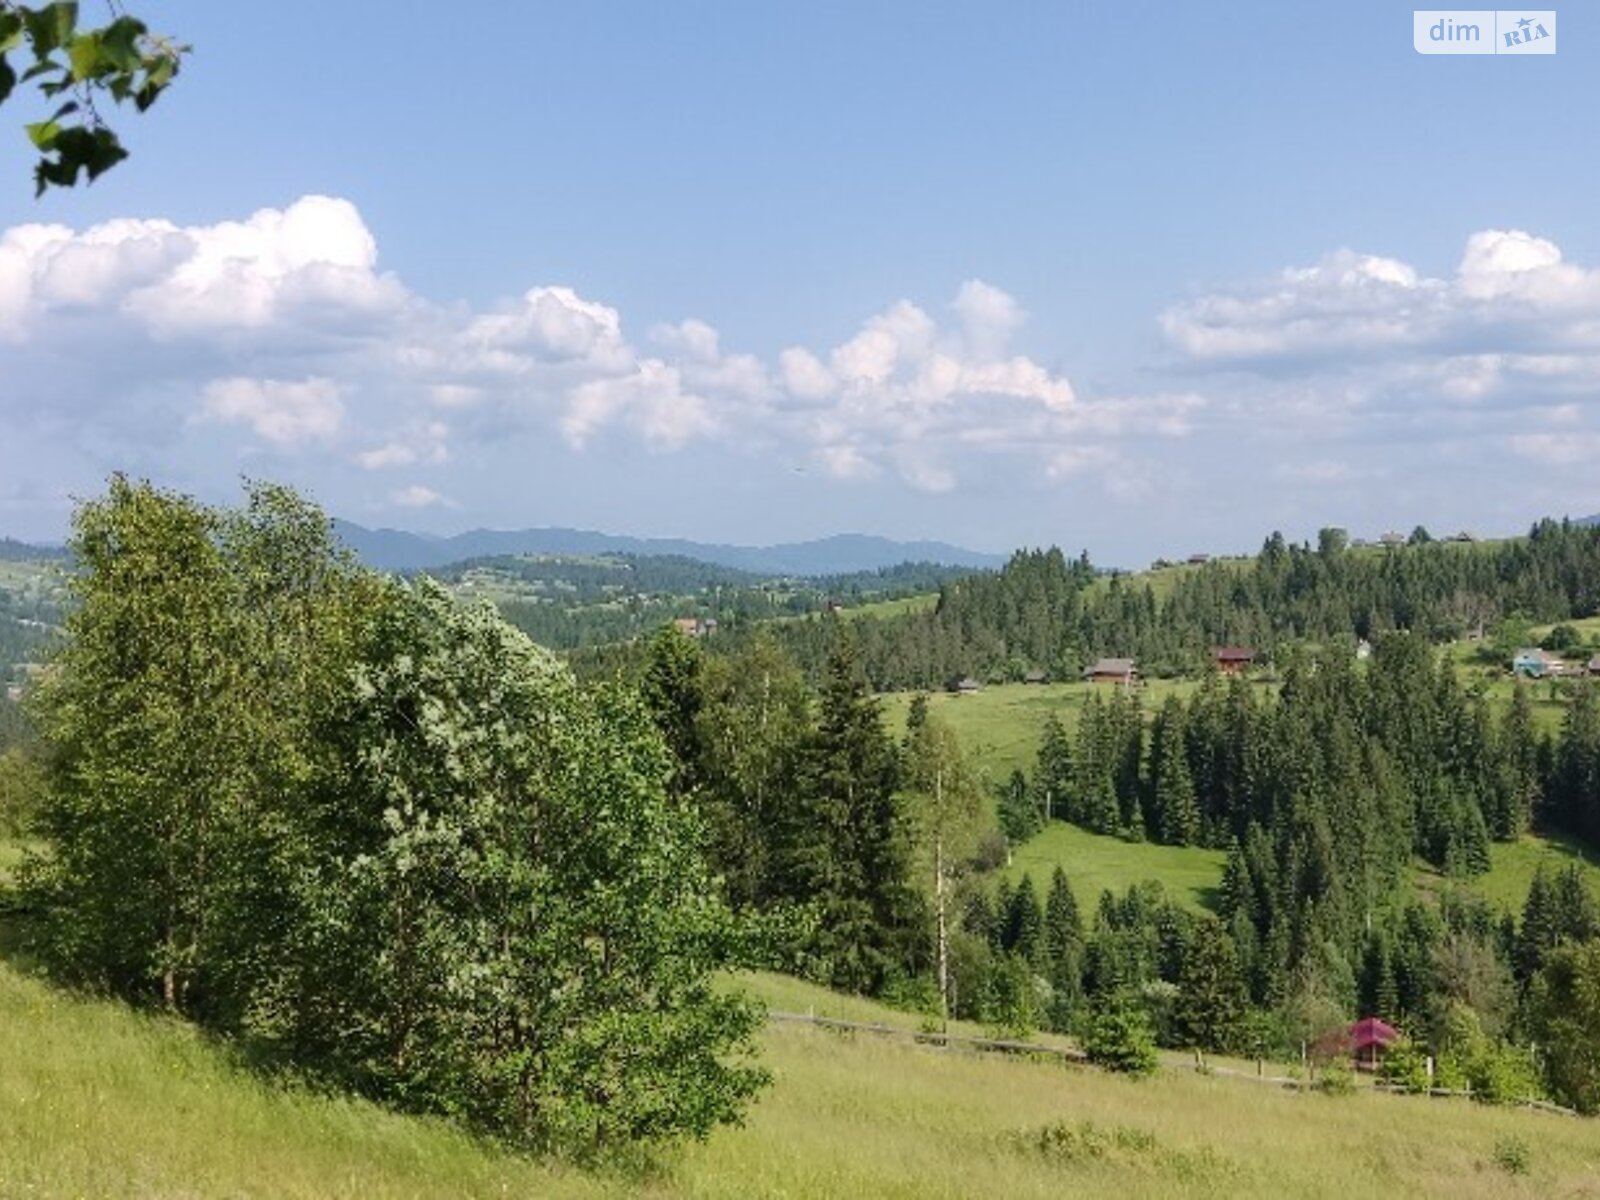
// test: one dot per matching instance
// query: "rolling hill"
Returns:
(842, 554)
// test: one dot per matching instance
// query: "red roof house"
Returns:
(1231, 660)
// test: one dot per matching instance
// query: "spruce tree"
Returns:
(1211, 991)
(1053, 778)
(844, 846)
(1024, 933)
(1173, 805)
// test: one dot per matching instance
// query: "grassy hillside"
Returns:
(1513, 867)
(97, 1101)
(999, 726)
(1095, 863)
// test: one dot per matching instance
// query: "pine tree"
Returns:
(1053, 778)
(1018, 814)
(1519, 768)
(1578, 765)
(1094, 771)
(844, 848)
(1541, 924)
(1024, 933)
(672, 691)
(1211, 991)
(1173, 805)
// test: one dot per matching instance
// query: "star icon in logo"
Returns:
(1525, 22)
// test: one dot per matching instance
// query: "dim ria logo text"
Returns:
(1484, 31)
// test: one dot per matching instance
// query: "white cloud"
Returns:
(291, 336)
(283, 413)
(1511, 292)
(651, 401)
(989, 318)
(1559, 449)
(421, 443)
(417, 496)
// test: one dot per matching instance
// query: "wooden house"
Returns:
(1113, 670)
(1231, 660)
(1594, 666)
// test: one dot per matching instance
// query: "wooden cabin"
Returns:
(1113, 670)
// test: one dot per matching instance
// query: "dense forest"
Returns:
(314, 807)
(1323, 795)
(1047, 612)
(608, 602)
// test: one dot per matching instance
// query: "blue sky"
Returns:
(1144, 278)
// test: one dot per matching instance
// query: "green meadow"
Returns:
(999, 728)
(96, 1100)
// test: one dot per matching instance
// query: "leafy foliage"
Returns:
(1119, 1038)
(386, 840)
(74, 67)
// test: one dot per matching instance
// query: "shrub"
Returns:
(1405, 1065)
(1513, 1155)
(1119, 1038)
(1503, 1075)
(1336, 1081)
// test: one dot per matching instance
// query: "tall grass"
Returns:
(96, 1101)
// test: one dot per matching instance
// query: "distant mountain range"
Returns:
(843, 554)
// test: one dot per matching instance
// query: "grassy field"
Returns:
(98, 1101)
(1513, 865)
(895, 608)
(1095, 863)
(999, 726)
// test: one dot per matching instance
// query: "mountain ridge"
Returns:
(839, 554)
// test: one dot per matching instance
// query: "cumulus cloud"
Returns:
(283, 413)
(315, 257)
(1511, 293)
(283, 332)
(424, 442)
(417, 496)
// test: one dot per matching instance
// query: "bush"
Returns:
(21, 783)
(1085, 1141)
(1503, 1075)
(1119, 1038)
(1405, 1065)
(1336, 1081)
(1513, 1155)
(1013, 1009)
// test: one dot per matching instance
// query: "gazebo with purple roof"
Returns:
(1369, 1038)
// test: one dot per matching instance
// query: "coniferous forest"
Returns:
(381, 839)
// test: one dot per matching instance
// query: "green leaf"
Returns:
(8, 79)
(84, 54)
(43, 134)
(10, 31)
(50, 28)
(119, 43)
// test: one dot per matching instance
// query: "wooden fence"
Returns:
(1070, 1054)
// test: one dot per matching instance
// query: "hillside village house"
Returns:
(1231, 660)
(1594, 665)
(1533, 663)
(965, 686)
(1113, 670)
